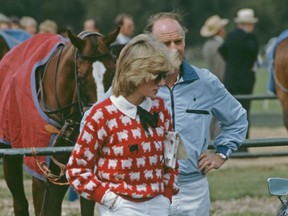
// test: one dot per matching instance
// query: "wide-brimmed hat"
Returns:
(246, 15)
(212, 25)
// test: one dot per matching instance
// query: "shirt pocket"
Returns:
(203, 112)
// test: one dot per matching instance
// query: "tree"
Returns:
(272, 14)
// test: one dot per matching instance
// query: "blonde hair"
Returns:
(48, 26)
(28, 21)
(140, 61)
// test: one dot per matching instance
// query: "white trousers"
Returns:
(158, 206)
(193, 199)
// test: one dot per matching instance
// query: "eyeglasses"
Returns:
(159, 77)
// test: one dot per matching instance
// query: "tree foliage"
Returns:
(272, 14)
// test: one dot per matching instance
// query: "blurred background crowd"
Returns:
(73, 13)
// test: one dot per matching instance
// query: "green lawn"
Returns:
(264, 106)
(258, 106)
(235, 184)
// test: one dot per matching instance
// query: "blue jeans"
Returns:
(72, 194)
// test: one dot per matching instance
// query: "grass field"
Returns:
(258, 106)
(263, 112)
(264, 106)
(240, 189)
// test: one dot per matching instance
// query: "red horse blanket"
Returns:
(21, 119)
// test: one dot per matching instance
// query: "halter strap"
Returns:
(84, 34)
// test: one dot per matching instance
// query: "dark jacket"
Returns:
(239, 50)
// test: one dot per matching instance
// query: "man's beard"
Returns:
(175, 58)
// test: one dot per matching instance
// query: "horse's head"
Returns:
(70, 88)
(95, 65)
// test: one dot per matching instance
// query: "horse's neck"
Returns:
(65, 73)
(59, 84)
(68, 55)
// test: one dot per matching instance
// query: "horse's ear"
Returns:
(76, 41)
(111, 37)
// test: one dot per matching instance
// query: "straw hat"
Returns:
(246, 16)
(212, 25)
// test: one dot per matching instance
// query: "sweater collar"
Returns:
(128, 108)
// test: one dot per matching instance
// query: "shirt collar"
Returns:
(188, 73)
(128, 108)
(218, 38)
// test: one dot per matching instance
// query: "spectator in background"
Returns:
(214, 30)
(193, 96)
(15, 23)
(29, 24)
(126, 23)
(93, 25)
(5, 22)
(48, 26)
(240, 50)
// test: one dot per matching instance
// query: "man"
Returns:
(127, 28)
(92, 25)
(195, 95)
(214, 30)
(126, 23)
(29, 24)
(240, 50)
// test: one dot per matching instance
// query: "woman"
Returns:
(118, 158)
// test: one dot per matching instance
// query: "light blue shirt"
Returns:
(193, 100)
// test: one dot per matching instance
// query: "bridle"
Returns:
(68, 126)
(81, 95)
(82, 99)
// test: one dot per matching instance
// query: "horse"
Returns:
(280, 72)
(62, 87)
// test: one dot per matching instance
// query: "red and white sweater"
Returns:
(113, 152)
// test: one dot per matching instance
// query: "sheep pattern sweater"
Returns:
(113, 152)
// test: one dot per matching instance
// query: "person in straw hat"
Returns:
(240, 50)
(214, 30)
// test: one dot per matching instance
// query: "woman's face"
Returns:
(150, 89)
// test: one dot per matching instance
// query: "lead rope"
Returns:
(47, 172)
